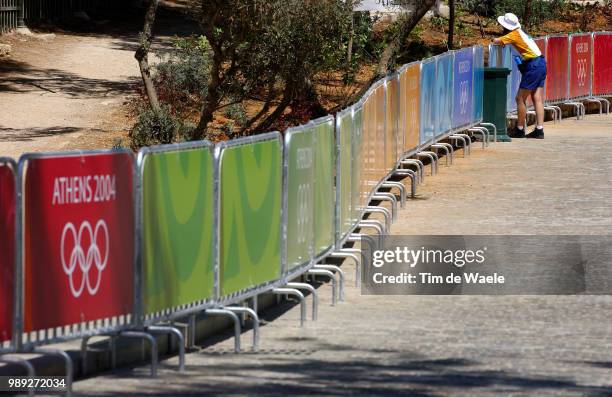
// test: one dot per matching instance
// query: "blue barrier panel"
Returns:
(463, 84)
(514, 80)
(444, 94)
(478, 83)
(428, 104)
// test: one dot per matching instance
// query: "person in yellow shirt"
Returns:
(532, 66)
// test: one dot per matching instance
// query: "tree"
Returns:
(451, 23)
(142, 56)
(406, 22)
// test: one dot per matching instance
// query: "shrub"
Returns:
(237, 113)
(153, 129)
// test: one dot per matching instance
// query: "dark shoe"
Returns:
(516, 133)
(536, 134)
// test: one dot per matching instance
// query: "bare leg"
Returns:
(521, 105)
(538, 102)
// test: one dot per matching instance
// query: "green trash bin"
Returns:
(494, 101)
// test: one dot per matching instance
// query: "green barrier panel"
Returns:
(344, 165)
(299, 173)
(324, 184)
(250, 196)
(357, 180)
(177, 226)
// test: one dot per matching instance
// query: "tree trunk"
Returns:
(211, 102)
(142, 55)
(451, 23)
(407, 23)
(349, 55)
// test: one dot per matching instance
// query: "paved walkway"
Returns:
(438, 346)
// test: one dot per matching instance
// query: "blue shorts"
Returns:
(534, 73)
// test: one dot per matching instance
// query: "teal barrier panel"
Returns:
(344, 165)
(299, 174)
(444, 94)
(324, 192)
(178, 228)
(428, 103)
(249, 172)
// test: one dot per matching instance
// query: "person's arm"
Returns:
(497, 41)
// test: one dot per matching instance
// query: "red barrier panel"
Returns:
(7, 248)
(78, 238)
(558, 70)
(602, 64)
(581, 52)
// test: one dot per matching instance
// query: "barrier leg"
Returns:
(602, 101)
(297, 294)
(485, 138)
(378, 226)
(399, 187)
(430, 156)
(323, 272)
(380, 196)
(344, 253)
(145, 337)
(577, 106)
(313, 292)
(67, 363)
(450, 149)
(234, 318)
(468, 140)
(179, 336)
(340, 273)
(410, 174)
(192, 331)
(454, 138)
(23, 363)
(487, 125)
(380, 210)
(445, 149)
(254, 317)
(418, 164)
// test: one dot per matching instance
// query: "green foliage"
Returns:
(236, 112)
(538, 12)
(182, 78)
(153, 129)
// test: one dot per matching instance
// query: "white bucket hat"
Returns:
(509, 21)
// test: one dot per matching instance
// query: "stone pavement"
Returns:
(440, 345)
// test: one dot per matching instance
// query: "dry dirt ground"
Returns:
(70, 92)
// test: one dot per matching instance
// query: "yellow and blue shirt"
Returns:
(524, 45)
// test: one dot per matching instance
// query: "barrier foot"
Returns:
(373, 224)
(490, 125)
(323, 272)
(379, 196)
(413, 179)
(578, 106)
(234, 318)
(361, 238)
(468, 140)
(24, 363)
(254, 318)
(345, 253)
(445, 149)
(430, 156)
(145, 337)
(313, 292)
(68, 364)
(456, 138)
(485, 135)
(400, 187)
(602, 101)
(451, 149)
(418, 164)
(380, 210)
(191, 330)
(297, 294)
(336, 269)
(179, 336)
(598, 101)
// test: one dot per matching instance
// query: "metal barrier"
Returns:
(410, 97)
(248, 172)
(580, 59)
(7, 250)
(478, 91)
(443, 98)
(463, 86)
(428, 102)
(176, 194)
(602, 63)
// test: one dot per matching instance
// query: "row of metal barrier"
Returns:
(103, 243)
(579, 68)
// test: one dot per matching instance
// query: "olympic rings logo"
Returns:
(582, 72)
(83, 251)
(463, 98)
